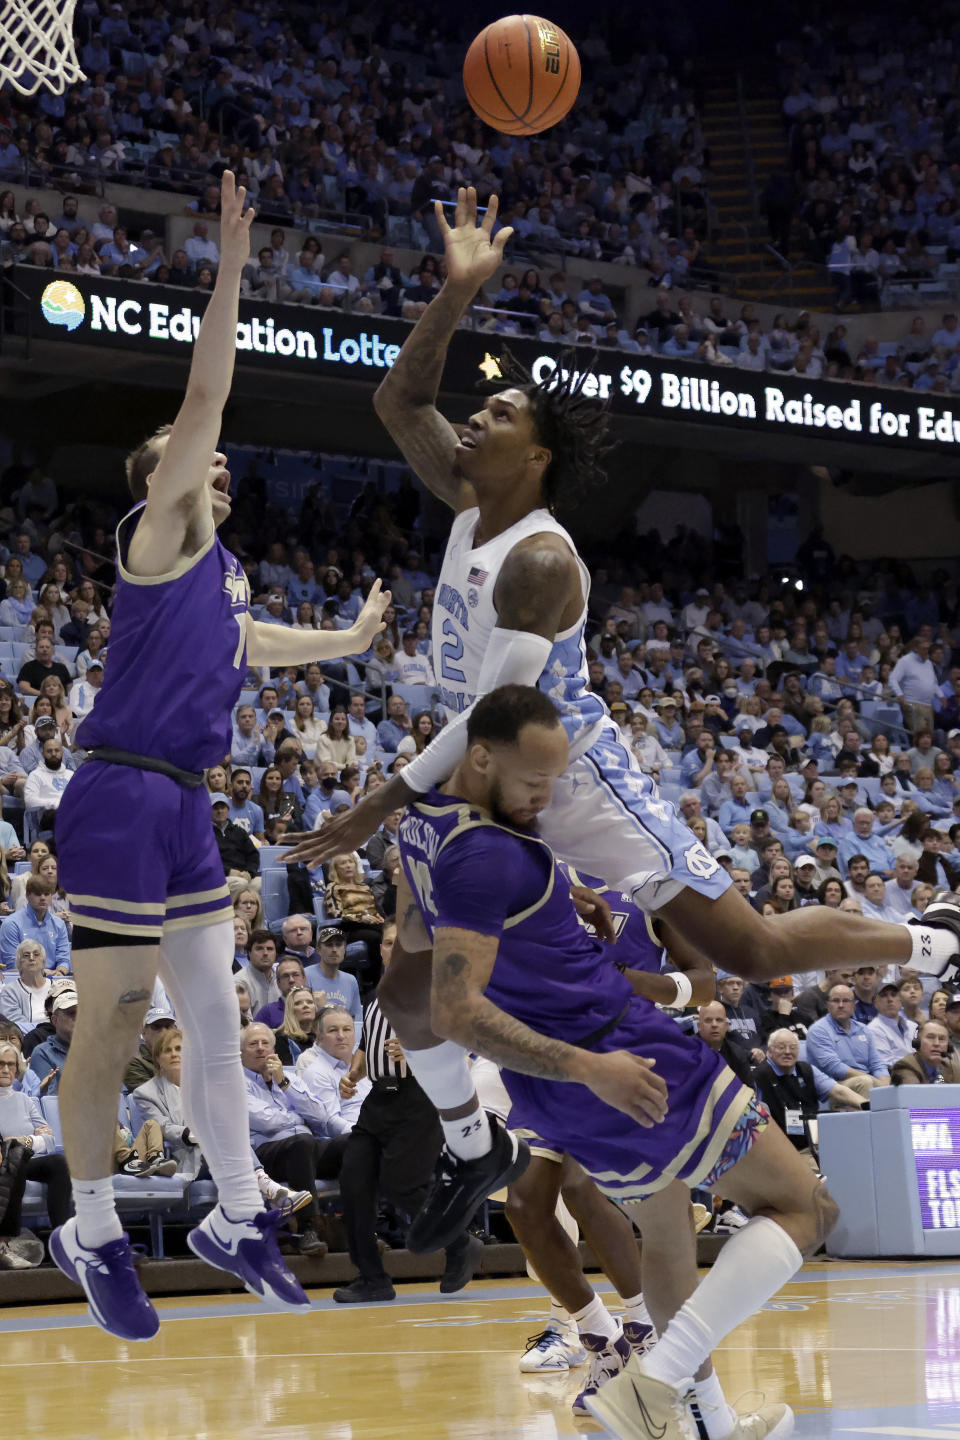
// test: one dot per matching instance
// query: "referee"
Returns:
(392, 1151)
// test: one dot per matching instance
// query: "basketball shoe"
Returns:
(634, 1405)
(552, 1351)
(458, 1186)
(607, 1358)
(116, 1298)
(249, 1250)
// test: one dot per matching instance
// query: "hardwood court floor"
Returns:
(858, 1350)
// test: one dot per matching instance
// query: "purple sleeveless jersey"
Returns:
(186, 632)
(469, 872)
(637, 948)
(136, 849)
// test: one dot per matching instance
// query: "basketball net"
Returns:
(36, 45)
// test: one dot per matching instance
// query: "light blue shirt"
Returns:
(735, 812)
(893, 1037)
(321, 1075)
(835, 1050)
(344, 991)
(914, 679)
(367, 730)
(49, 931)
(876, 851)
(389, 735)
(249, 817)
(277, 1114)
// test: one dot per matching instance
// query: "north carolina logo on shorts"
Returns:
(700, 862)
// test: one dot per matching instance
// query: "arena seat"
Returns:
(271, 856)
(416, 697)
(154, 1197)
(871, 783)
(275, 895)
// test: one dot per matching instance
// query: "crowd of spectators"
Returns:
(827, 1044)
(874, 147)
(360, 110)
(808, 732)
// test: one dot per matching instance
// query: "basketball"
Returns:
(521, 74)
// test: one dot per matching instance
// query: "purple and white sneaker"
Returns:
(116, 1298)
(639, 1337)
(607, 1358)
(249, 1250)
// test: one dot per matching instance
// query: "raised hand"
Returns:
(340, 835)
(235, 223)
(370, 620)
(472, 256)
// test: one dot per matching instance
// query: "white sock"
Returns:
(560, 1320)
(636, 1312)
(753, 1264)
(195, 965)
(595, 1319)
(444, 1077)
(719, 1418)
(469, 1137)
(268, 1188)
(97, 1220)
(933, 949)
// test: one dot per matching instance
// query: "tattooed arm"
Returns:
(463, 962)
(406, 399)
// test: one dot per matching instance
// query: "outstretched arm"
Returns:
(406, 400)
(280, 645)
(538, 582)
(179, 496)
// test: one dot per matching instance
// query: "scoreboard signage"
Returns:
(165, 320)
(935, 1138)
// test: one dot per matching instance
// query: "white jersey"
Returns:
(464, 619)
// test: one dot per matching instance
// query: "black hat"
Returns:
(759, 817)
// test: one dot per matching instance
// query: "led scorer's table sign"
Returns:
(165, 319)
(935, 1136)
(894, 1171)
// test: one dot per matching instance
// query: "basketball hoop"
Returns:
(36, 45)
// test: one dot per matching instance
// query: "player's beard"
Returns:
(503, 816)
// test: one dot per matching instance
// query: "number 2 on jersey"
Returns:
(450, 650)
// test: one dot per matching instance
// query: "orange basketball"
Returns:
(521, 75)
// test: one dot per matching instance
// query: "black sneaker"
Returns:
(462, 1257)
(942, 915)
(459, 1186)
(364, 1292)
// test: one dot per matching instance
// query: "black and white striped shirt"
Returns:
(377, 1031)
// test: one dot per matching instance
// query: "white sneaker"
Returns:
(770, 1422)
(730, 1221)
(701, 1217)
(551, 1351)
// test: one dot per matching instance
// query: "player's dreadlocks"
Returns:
(573, 428)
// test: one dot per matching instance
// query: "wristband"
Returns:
(684, 990)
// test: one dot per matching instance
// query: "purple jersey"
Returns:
(468, 872)
(187, 632)
(637, 946)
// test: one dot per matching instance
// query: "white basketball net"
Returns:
(36, 45)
